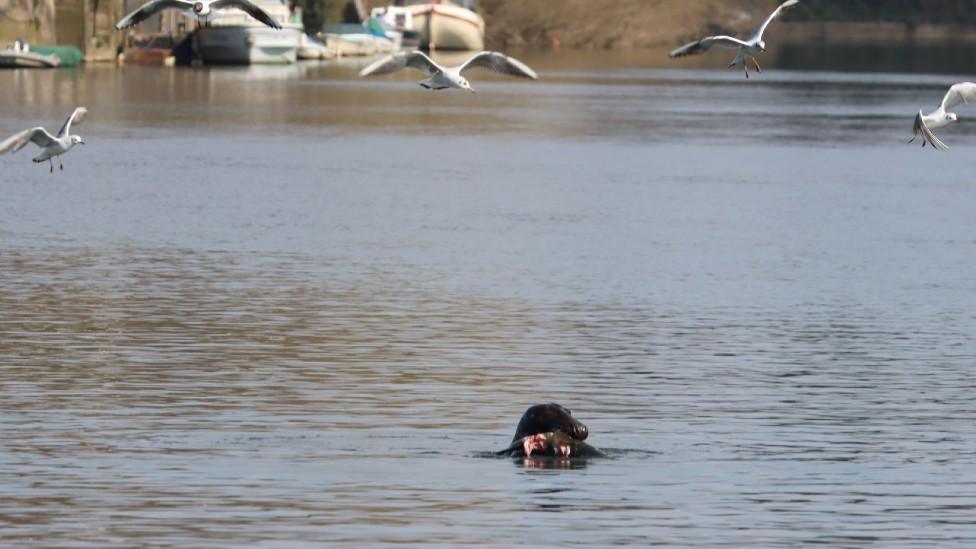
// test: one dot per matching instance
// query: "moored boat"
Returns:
(311, 48)
(10, 59)
(448, 26)
(400, 19)
(239, 39)
(20, 56)
(357, 40)
(150, 49)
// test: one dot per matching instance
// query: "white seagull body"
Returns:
(959, 94)
(440, 78)
(746, 49)
(204, 10)
(52, 145)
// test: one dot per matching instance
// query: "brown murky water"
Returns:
(282, 306)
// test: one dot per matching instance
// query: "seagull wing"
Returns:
(252, 9)
(703, 45)
(39, 136)
(150, 9)
(923, 131)
(77, 117)
(499, 63)
(762, 28)
(960, 94)
(400, 61)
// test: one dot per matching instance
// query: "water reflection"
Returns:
(546, 462)
(253, 313)
(583, 100)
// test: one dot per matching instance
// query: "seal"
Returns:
(550, 430)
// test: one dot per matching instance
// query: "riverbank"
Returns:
(601, 24)
(881, 32)
(626, 24)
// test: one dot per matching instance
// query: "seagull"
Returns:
(959, 94)
(203, 10)
(449, 77)
(52, 146)
(747, 49)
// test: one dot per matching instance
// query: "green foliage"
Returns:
(909, 11)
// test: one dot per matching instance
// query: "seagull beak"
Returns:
(472, 90)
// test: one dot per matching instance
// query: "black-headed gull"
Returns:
(449, 77)
(52, 145)
(204, 10)
(959, 94)
(747, 49)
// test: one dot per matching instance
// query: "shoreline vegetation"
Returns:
(575, 24)
(637, 24)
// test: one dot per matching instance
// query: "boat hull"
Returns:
(150, 49)
(448, 27)
(313, 49)
(10, 59)
(246, 45)
(359, 44)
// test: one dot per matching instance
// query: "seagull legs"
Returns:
(745, 64)
(758, 68)
(61, 158)
(51, 162)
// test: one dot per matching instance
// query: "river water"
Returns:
(286, 307)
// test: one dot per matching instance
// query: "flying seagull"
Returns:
(746, 49)
(204, 10)
(52, 146)
(959, 94)
(441, 78)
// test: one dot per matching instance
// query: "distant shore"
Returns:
(632, 24)
(881, 32)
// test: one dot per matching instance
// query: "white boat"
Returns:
(19, 56)
(314, 49)
(357, 40)
(448, 26)
(10, 59)
(239, 39)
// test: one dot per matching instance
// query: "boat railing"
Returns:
(469, 4)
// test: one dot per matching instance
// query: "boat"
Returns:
(236, 38)
(353, 39)
(396, 21)
(311, 48)
(69, 56)
(151, 49)
(20, 56)
(446, 25)
(13, 59)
